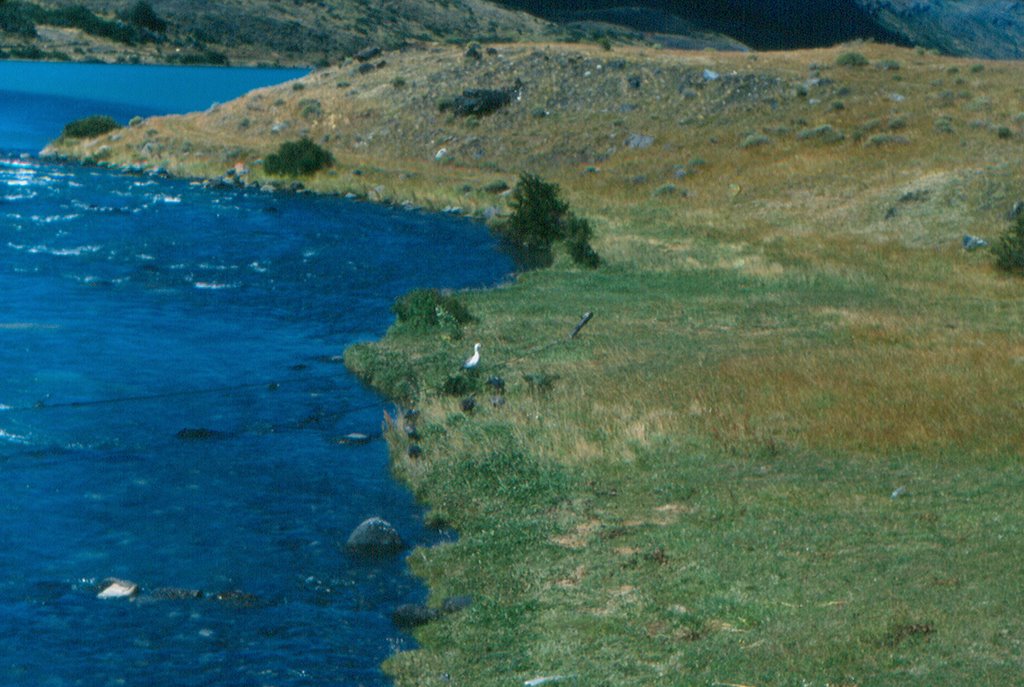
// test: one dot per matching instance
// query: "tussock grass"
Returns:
(703, 492)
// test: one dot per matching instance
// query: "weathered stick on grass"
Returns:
(582, 323)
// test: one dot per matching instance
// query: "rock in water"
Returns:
(113, 588)
(374, 538)
(236, 597)
(175, 594)
(198, 434)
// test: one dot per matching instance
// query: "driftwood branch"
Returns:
(582, 323)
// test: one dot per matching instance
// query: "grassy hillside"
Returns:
(248, 31)
(787, 448)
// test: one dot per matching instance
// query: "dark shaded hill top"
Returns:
(980, 28)
(763, 25)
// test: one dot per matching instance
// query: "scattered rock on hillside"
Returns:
(973, 242)
(639, 141)
(367, 54)
(481, 101)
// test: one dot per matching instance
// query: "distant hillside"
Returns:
(306, 32)
(247, 31)
(979, 28)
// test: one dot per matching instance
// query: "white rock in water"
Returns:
(113, 588)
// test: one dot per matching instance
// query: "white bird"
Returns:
(473, 360)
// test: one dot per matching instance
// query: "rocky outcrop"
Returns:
(481, 101)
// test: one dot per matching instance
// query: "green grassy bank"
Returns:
(787, 448)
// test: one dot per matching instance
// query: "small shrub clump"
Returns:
(297, 158)
(540, 218)
(144, 16)
(852, 59)
(1009, 250)
(425, 310)
(79, 17)
(887, 139)
(944, 124)
(310, 108)
(755, 140)
(90, 127)
(825, 133)
(17, 18)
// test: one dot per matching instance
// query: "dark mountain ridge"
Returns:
(763, 25)
(978, 28)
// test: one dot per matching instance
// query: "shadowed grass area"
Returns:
(786, 449)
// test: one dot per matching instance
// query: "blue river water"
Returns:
(133, 308)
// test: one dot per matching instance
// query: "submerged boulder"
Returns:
(175, 594)
(198, 434)
(374, 538)
(236, 597)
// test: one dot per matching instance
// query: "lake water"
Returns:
(38, 98)
(135, 307)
